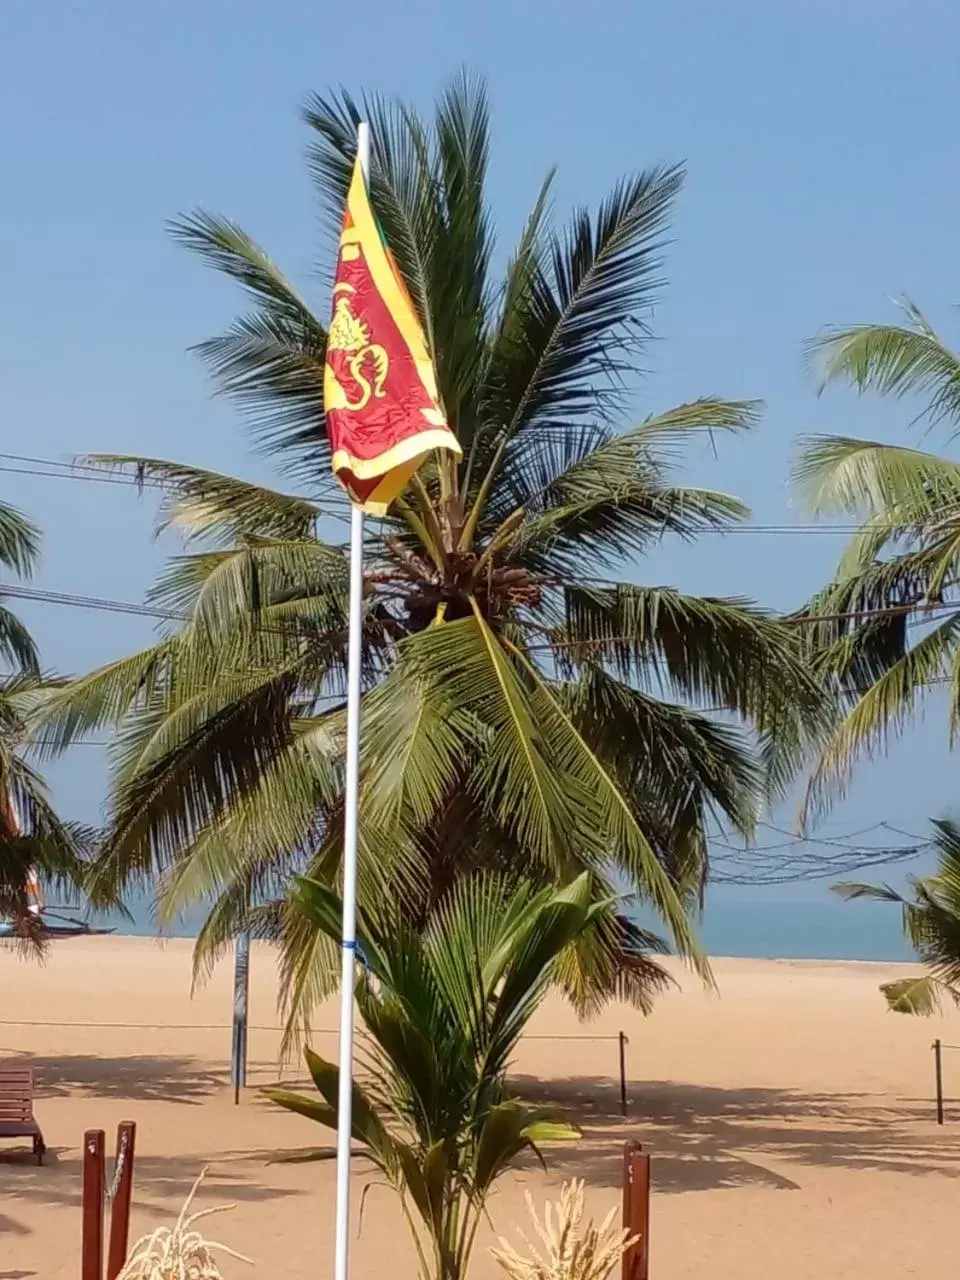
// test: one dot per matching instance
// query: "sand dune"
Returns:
(790, 1118)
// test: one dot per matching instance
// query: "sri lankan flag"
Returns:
(379, 388)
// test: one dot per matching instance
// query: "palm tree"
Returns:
(34, 844)
(443, 1011)
(931, 924)
(19, 552)
(886, 631)
(523, 712)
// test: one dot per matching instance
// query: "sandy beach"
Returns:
(790, 1117)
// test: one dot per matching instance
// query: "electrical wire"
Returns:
(728, 867)
(48, 468)
(39, 595)
(53, 469)
(846, 839)
(932, 611)
(131, 607)
(767, 864)
(754, 868)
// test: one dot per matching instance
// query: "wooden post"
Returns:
(623, 1073)
(938, 1068)
(91, 1249)
(122, 1197)
(636, 1211)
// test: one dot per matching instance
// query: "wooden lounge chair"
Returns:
(16, 1108)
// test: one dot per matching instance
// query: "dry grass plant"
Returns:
(182, 1253)
(571, 1252)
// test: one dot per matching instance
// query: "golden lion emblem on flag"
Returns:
(350, 335)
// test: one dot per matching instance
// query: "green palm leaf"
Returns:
(208, 504)
(271, 360)
(862, 477)
(17, 646)
(903, 563)
(19, 552)
(432, 1110)
(894, 360)
(516, 781)
(917, 996)
(172, 793)
(931, 924)
(881, 711)
(19, 541)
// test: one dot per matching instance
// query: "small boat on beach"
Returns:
(40, 922)
(51, 925)
(45, 923)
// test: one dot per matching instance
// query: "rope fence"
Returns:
(226, 1026)
(619, 1038)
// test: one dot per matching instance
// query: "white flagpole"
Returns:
(349, 930)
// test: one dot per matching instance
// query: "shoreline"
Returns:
(163, 940)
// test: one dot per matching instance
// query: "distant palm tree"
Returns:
(931, 924)
(523, 711)
(35, 845)
(890, 629)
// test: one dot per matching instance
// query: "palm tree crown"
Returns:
(889, 623)
(931, 924)
(514, 717)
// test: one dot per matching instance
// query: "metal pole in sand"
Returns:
(241, 990)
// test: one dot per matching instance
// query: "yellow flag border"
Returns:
(407, 453)
(366, 231)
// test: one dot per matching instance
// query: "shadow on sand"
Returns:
(137, 1079)
(702, 1138)
(160, 1182)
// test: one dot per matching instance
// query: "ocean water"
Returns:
(765, 927)
(804, 930)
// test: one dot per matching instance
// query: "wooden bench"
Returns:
(16, 1108)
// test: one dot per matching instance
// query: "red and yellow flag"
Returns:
(379, 388)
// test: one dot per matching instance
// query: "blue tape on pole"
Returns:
(356, 948)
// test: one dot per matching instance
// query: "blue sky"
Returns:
(821, 143)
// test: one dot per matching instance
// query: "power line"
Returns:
(42, 596)
(107, 605)
(93, 602)
(49, 468)
(768, 864)
(941, 610)
(53, 469)
(751, 867)
(794, 840)
(66, 475)
(127, 606)
(844, 840)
